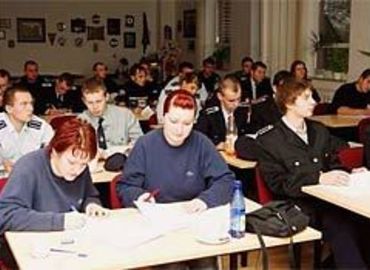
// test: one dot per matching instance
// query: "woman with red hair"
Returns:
(181, 162)
(50, 188)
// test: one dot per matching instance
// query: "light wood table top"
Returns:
(174, 246)
(339, 121)
(237, 162)
(100, 175)
(355, 198)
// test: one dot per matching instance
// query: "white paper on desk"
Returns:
(165, 216)
(119, 232)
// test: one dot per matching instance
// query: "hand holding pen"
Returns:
(149, 196)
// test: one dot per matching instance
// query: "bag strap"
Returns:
(292, 257)
(265, 263)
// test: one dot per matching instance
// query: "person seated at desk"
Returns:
(4, 84)
(101, 73)
(32, 80)
(115, 126)
(353, 98)
(189, 168)
(188, 82)
(296, 152)
(298, 69)
(49, 187)
(208, 76)
(60, 97)
(258, 85)
(137, 92)
(216, 120)
(20, 131)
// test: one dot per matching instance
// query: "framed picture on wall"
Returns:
(30, 30)
(129, 40)
(189, 25)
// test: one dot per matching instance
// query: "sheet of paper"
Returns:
(118, 232)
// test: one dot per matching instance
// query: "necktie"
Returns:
(101, 137)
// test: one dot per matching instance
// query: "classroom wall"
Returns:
(54, 59)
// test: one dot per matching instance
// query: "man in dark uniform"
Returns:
(31, 80)
(213, 121)
(208, 76)
(59, 97)
(353, 98)
(258, 85)
(101, 73)
(244, 74)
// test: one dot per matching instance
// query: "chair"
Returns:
(263, 193)
(57, 121)
(114, 201)
(322, 108)
(361, 129)
(351, 157)
(2, 183)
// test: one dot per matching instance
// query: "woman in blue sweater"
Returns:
(180, 162)
(49, 188)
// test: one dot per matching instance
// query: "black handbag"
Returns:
(278, 219)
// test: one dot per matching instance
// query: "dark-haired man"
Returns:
(208, 76)
(20, 131)
(4, 84)
(101, 73)
(258, 85)
(353, 98)
(59, 97)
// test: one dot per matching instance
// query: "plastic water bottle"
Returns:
(237, 211)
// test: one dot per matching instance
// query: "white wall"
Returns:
(54, 59)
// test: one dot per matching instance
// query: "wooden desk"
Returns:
(102, 176)
(174, 246)
(355, 198)
(338, 121)
(237, 162)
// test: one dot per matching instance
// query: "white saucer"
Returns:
(214, 240)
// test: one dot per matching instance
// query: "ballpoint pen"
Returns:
(67, 251)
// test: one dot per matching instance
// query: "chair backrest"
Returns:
(114, 201)
(57, 121)
(322, 108)
(263, 193)
(2, 184)
(361, 129)
(351, 157)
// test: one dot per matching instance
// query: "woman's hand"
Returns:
(146, 197)
(95, 210)
(359, 170)
(334, 178)
(195, 206)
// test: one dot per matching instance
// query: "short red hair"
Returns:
(76, 134)
(180, 98)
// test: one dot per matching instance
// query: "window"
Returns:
(331, 44)
(223, 35)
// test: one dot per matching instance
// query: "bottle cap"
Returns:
(237, 184)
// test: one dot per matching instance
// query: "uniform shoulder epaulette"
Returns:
(168, 91)
(264, 130)
(211, 110)
(35, 124)
(2, 124)
(175, 84)
(197, 96)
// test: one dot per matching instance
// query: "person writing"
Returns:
(296, 152)
(189, 168)
(50, 189)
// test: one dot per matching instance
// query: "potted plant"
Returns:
(221, 56)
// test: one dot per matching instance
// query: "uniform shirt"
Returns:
(34, 135)
(173, 85)
(301, 133)
(213, 124)
(348, 96)
(192, 170)
(120, 125)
